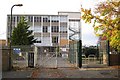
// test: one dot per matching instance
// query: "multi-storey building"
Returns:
(49, 30)
(2, 42)
(74, 24)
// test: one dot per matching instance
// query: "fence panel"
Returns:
(73, 52)
(20, 55)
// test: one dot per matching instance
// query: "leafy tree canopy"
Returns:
(106, 18)
(21, 34)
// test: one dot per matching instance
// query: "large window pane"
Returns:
(45, 29)
(55, 39)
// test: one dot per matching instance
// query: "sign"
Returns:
(16, 50)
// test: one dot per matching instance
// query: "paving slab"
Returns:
(78, 73)
(16, 74)
(51, 73)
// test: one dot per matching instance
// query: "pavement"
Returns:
(18, 73)
(84, 73)
(0, 75)
(78, 73)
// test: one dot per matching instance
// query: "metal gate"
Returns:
(30, 59)
(91, 59)
(46, 58)
(53, 57)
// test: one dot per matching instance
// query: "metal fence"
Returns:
(73, 52)
(74, 56)
(20, 55)
(53, 59)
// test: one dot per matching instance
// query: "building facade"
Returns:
(49, 30)
(74, 24)
(3, 42)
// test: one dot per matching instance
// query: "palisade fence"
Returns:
(73, 52)
(20, 55)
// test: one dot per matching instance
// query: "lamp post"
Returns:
(10, 62)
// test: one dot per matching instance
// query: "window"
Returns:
(46, 18)
(54, 19)
(8, 29)
(13, 19)
(74, 25)
(63, 19)
(55, 29)
(38, 42)
(45, 29)
(8, 18)
(18, 18)
(38, 39)
(63, 36)
(35, 19)
(38, 19)
(63, 29)
(37, 29)
(30, 18)
(55, 39)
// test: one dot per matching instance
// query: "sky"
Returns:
(49, 7)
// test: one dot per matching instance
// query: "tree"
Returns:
(106, 17)
(21, 35)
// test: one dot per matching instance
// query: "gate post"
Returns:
(56, 52)
(80, 54)
(108, 52)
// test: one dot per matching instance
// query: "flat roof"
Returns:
(44, 14)
(67, 12)
(35, 15)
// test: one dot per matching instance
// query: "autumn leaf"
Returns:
(107, 15)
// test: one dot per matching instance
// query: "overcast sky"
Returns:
(48, 7)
